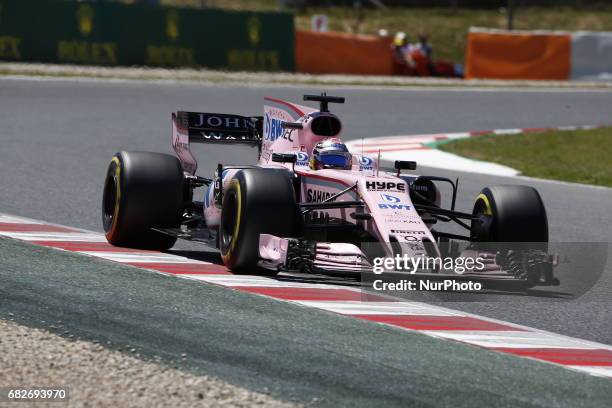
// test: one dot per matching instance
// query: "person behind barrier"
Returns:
(402, 61)
(424, 46)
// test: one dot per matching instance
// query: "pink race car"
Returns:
(310, 205)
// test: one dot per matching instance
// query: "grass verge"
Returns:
(581, 156)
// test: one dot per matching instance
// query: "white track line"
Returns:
(11, 219)
(375, 308)
(237, 281)
(56, 236)
(151, 257)
(510, 339)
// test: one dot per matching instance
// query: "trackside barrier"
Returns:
(547, 55)
(591, 55)
(338, 53)
(119, 34)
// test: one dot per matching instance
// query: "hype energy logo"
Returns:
(391, 202)
(273, 128)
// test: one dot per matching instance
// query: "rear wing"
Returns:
(219, 128)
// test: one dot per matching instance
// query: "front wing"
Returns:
(512, 269)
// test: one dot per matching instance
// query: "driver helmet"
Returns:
(330, 154)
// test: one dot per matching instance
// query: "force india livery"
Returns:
(311, 206)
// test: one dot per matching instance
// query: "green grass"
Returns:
(446, 28)
(582, 156)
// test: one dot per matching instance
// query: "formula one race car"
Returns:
(310, 205)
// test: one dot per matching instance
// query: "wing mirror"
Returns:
(284, 158)
(404, 165)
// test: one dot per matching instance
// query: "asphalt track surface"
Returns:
(57, 137)
(290, 351)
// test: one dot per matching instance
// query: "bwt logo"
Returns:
(394, 207)
(365, 163)
(302, 158)
(274, 128)
(389, 198)
(393, 203)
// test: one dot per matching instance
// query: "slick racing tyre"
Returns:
(256, 201)
(509, 213)
(142, 190)
(514, 217)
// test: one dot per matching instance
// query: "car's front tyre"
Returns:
(509, 213)
(257, 201)
(512, 223)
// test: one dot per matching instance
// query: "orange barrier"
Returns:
(517, 55)
(336, 53)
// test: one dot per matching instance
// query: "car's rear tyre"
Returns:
(142, 190)
(257, 201)
(509, 213)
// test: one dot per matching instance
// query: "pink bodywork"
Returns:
(385, 195)
(392, 210)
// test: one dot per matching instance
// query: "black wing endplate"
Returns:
(220, 127)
